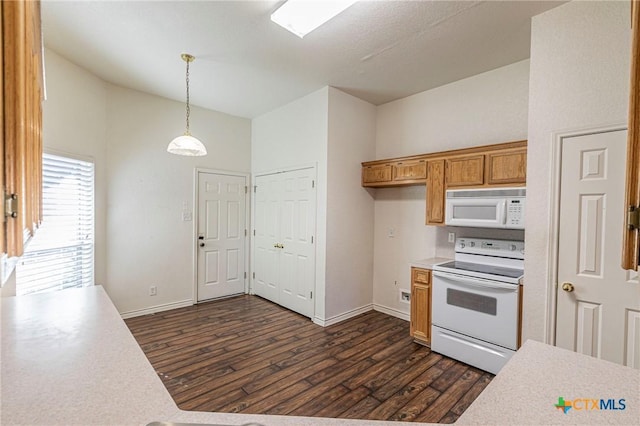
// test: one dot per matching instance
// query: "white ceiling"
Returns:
(246, 65)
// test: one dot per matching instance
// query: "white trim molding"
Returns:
(341, 317)
(391, 311)
(157, 308)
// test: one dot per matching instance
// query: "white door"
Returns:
(598, 310)
(267, 234)
(221, 235)
(285, 219)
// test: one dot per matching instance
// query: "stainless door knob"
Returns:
(568, 287)
(201, 244)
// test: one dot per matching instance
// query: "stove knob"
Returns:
(462, 245)
(513, 247)
(472, 244)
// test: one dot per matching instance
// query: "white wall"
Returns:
(293, 135)
(349, 269)
(579, 79)
(483, 109)
(148, 243)
(74, 120)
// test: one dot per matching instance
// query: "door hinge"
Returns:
(254, 275)
(11, 205)
(245, 232)
(246, 189)
(255, 188)
(311, 295)
(313, 183)
(312, 239)
(633, 218)
(254, 232)
(245, 275)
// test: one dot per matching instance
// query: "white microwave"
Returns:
(486, 207)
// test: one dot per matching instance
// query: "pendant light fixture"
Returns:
(187, 144)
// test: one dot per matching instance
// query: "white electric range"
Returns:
(476, 301)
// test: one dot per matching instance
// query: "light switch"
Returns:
(187, 216)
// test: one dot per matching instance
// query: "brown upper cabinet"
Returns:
(465, 171)
(410, 170)
(630, 243)
(395, 172)
(481, 166)
(21, 136)
(435, 192)
(507, 167)
(376, 174)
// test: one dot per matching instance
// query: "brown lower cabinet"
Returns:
(420, 328)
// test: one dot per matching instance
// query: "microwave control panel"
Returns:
(515, 212)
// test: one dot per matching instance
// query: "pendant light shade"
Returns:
(187, 144)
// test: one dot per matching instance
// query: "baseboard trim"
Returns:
(325, 322)
(157, 308)
(390, 311)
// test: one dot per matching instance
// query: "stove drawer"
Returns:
(483, 355)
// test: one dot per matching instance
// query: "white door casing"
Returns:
(284, 250)
(221, 235)
(601, 316)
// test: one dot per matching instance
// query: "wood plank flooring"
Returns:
(245, 354)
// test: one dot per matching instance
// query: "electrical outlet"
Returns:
(187, 216)
(405, 296)
(153, 290)
(452, 237)
(391, 233)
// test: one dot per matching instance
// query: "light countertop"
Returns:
(68, 358)
(428, 263)
(527, 389)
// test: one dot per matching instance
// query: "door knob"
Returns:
(201, 237)
(568, 287)
(201, 244)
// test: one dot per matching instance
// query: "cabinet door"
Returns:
(631, 235)
(507, 167)
(435, 192)
(22, 121)
(410, 170)
(465, 171)
(376, 174)
(421, 305)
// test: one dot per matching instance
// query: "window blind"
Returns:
(60, 255)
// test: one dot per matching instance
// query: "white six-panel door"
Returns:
(221, 235)
(598, 311)
(284, 250)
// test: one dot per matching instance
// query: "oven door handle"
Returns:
(476, 282)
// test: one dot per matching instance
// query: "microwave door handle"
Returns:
(502, 212)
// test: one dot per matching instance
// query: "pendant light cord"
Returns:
(188, 107)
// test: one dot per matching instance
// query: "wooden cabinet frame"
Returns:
(420, 324)
(630, 245)
(21, 145)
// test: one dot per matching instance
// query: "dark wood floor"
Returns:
(245, 354)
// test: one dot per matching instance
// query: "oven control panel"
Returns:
(500, 248)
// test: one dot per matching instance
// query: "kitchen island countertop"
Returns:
(68, 358)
